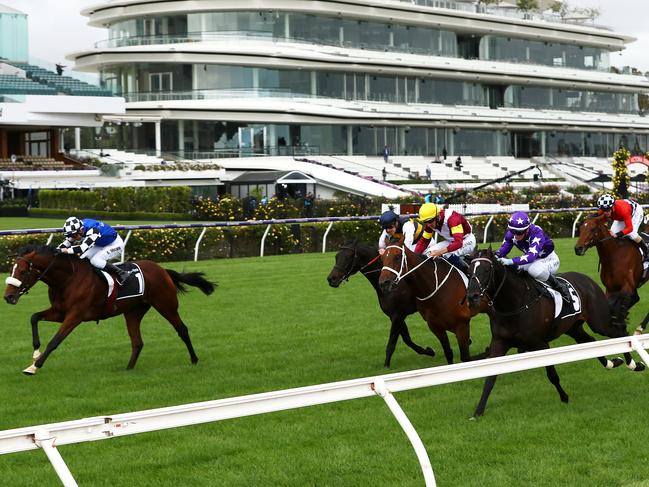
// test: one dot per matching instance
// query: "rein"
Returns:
(483, 291)
(25, 290)
(404, 265)
(347, 274)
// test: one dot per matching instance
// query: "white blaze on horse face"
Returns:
(13, 270)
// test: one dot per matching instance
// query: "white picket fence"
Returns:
(49, 436)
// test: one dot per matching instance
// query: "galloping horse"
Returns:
(78, 293)
(439, 292)
(621, 266)
(355, 257)
(523, 315)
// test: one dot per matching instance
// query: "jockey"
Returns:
(539, 258)
(453, 228)
(396, 227)
(627, 217)
(96, 241)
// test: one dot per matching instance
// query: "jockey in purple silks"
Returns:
(539, 258)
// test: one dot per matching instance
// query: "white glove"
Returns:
(66, 250)
(505, 261)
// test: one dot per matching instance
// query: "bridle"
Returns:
(404, 271)
(22, 287)
(348, 273)
(490, 280)
(591, 241)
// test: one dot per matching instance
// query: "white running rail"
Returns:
(49, 436)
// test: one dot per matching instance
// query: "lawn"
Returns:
(24, 223)
(274, 323)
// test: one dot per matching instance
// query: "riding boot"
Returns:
(561, 287)
(645, 250)
(459, 262)
(120, 274)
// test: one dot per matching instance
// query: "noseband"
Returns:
(24, 289)
(490, 280)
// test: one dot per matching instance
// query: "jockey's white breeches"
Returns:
(98, 256)
(542, 268)
(468, 246)
(636, 219)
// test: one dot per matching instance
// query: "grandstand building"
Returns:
(422, 77)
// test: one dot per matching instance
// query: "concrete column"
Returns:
(158, 138)
(350, 140)
(77, 138)
(543, 139)
(314, 84)
(181, 137)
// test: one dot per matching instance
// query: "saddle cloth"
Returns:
(645, 263)
(464, 277)
(561, 308)
(134, 285)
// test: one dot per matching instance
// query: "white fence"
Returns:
(49, 436)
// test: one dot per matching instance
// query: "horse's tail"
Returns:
(195, 279)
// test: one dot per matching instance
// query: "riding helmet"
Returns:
(72, 225)
(428, 212)
(519, 221)
(388, 219)
(605, 202)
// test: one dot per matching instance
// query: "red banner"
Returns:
(637, 160)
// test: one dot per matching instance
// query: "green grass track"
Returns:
(274, 323)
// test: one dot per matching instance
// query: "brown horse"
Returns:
(523, 315)
(78, 293)
(439, 292)
(620, 266)
(356, 257)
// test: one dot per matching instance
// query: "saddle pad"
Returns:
(561, 308)
(134, 285)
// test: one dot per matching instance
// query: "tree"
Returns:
(527, 5)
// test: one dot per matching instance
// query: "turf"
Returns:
(274, 323)
(24, 223)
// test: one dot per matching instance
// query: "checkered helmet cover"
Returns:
(605, 202)
(72, 225)
(519, 221)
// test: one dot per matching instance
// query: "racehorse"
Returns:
(620, 266)
(438, 290)
(356, 257)
(78, 293)
(523, 315)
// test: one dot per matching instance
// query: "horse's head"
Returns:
(482, 271)
(347, 263)
(591, 233)
(394, 265)
(25, 272)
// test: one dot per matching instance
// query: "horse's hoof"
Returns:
(430, 352)
(616, 362)
(638, 331)
(473, 418)
(639, 367)
(31, 370)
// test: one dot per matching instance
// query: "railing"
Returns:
(49, 436)
(330, 220)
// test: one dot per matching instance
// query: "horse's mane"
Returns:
(39, 249)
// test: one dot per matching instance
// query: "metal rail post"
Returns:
(426, 468)
(536, 217)
(198, 243)
(49, 240)
(574, 224)
(324, 238)
(128, 235)
(263, 241)
(46, 442)
(486, 228)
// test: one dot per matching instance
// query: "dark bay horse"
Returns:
(438, 291)
(523, 315)
(620, 266)
(78, 293)
(356, 257)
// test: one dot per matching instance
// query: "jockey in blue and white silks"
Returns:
(539, 258)
(96, 241)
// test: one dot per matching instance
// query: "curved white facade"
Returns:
(351, 77)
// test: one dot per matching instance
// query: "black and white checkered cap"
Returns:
(72, 225)
(605, 202)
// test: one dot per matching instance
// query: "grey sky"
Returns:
(56, 27)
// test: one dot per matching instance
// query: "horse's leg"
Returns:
(133, 320)
(443, 339)
(497, 348)
(49, 314)
(172, 316)
(641, 327)
(462, 334)
(405, 336)
(69, 324)
(550, 371)
(392, 340)
(578, 334)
